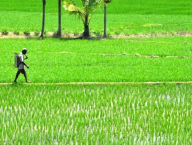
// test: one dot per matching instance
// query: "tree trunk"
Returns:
(105, 20)
(59, 19)
(43, 20)
(86, 33)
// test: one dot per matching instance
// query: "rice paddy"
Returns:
(120, 60)
(125, 17)
(132, 91)
(124, 24)
(84, 114)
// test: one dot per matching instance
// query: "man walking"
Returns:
(21, 65)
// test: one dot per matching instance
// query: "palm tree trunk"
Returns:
(86, 33)
(59, 19)
(105, 20)
(43, 20)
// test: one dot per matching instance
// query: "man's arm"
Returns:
(22, 61)
(25, 57)
(24, 64)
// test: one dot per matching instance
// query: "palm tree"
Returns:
(59, 19)
(43, 20)
(84, 11)
(105, 17)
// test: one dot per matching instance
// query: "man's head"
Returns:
(24, 51)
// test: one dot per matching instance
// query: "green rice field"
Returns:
(119, 60)
(96, 114)
(125, 17)
(113, 91)
(124, 6)
(123, 24)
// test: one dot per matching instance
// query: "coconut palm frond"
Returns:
(71, 8)
(93, 4)
(84, 8)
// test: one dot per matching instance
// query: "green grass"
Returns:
(96, 114)
(117, 24)
(125, 17)
(55, 60)
(123, 6)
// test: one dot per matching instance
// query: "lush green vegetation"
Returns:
(49, 113)
(60, 60)
(123, 6)
(95, 114)
(117, 24)
(125, 17)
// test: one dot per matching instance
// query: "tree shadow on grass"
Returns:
(90, 38)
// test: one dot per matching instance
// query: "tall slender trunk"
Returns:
(59, 19)
(43, 20)
(86, 33)
(105, 20)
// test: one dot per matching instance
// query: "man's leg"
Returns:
(25, 75)
(17, 75)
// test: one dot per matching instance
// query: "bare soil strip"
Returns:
(76, 36)
(13, 37)
(121, 54)
(102, 83)
(153, 35)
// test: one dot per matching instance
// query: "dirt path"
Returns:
(121, 54)
(102, 83)
(13, 37)
(72, 36)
